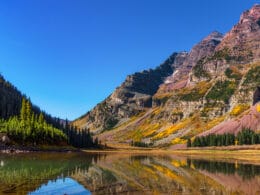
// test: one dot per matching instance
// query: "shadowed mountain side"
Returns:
(133, 96)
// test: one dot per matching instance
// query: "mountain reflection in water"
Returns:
(81, 173)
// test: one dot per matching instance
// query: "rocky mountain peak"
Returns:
(215, 35)
(251, 15)
(191, 92)
(184, 62)
(243, 39)
(203, 48)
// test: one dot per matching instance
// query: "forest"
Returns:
(244, 137)
(29, 128)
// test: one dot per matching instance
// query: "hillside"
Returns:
(23, 124)
(11, 103)
(212, 88)
(131, 98)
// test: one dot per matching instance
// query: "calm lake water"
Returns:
(78, 173)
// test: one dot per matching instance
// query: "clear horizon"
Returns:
(67, 56)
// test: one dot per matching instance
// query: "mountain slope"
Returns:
(23, 124)
(10, 99)
(132, 97)
(216, 82)
(11, 103)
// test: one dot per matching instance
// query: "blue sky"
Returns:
(68, 55)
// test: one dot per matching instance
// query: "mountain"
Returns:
(131, 98)
(10, 99)
(212, 88)
(180, 77)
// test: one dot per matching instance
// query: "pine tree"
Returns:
(189, 143)
(41, 119)
(23, 111)
(28, 112)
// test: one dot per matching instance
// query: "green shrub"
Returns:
(110, 123)
(232, 75)
(196, 93)
(222, 91)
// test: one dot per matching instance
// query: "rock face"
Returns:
(186, 61)
(132, 97)
(243, 39)
(214, 86)
(4, 139)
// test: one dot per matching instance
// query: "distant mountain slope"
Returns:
(216, 82)
(131, 98)
(11, 102)
(10, 99)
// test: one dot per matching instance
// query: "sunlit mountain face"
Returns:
(212, 89)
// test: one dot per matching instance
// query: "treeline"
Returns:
(244, 137)
(141, 144)
(80, 138)
(11, 104)
(26, 123)
(30, 128)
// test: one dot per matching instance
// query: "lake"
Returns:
(119, 173)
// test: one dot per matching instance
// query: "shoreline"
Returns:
(33, 149)
(225, 150)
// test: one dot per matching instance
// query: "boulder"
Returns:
(5, 139)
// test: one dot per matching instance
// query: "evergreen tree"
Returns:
(28, 112)
(189, 143)
(23, 111)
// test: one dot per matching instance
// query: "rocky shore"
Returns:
(8, 149)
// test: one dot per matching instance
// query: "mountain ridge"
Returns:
(213, 83)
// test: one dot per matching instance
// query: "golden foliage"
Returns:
(144, 130)
(198, 125)
(238, 109)
(156, 111)
(178, 141)
(258, 107)
(194, 93)
(172, 129)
